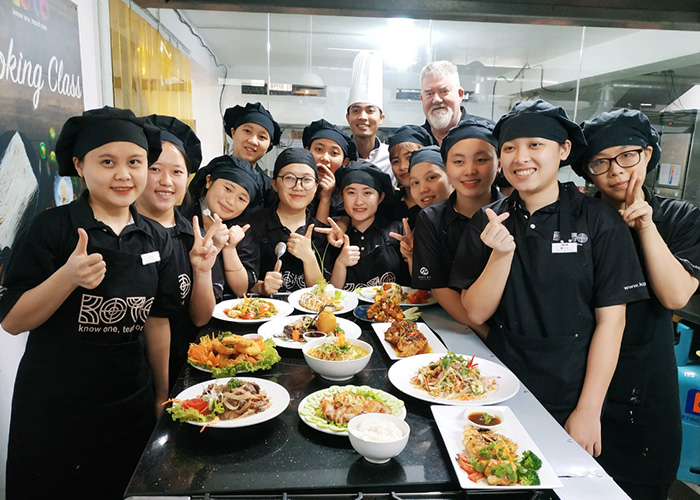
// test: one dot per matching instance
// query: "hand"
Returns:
(300, 246)
(584, 427)
(236, 234)
(406, 241)
(636, 212)
(326, 182)
(220, 234)
(334, 232)
(349, 255)
(86, 271)
(203, 253)
(495, 235)
(273, 279)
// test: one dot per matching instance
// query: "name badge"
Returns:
(565, 247)
(150, 257)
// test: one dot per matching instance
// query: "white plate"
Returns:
(367, 294)
(269, 329)
(349, 301)
(451, 421)
(283, 309)
(433, 342)
(401, 373)
(278, 396)
(311, 401)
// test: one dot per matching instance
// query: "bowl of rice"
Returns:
(378, 436)
(337, 359)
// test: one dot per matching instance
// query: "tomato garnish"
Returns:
(197, 403)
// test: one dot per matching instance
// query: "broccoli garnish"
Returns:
(530, 461)
(529, 478)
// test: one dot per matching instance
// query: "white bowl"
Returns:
(377, 451)
(494, 412)
(336, 370)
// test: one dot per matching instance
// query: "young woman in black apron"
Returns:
(227, 189)
(93, 284)
(332, 149)
(200, 274)
(550, 270)
(471, 163)
(402, 144)
(254, 132)
(641, 422)
(370, 256)
(288, 221)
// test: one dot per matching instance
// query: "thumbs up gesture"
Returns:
(86, 271)
(300, 246)
(349, 255)
(495, 235)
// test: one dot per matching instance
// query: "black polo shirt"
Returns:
(438, 230)
(545, 321)
(53, 235)
(337, 207)
(396, 208)
(257, 250)
(380, 255)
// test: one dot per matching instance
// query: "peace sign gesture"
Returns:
(300, 246)
(203, 252)
(495, 235)
(636, 212)
(335, 233)
(406, 240)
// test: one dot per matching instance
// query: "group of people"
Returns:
(573, 293)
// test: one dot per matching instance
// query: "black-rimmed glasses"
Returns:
(290, 181)
(626, 159)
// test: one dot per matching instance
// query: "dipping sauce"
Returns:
(378, 430)
(314, 335)
(484, 418)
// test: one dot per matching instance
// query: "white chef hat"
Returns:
(367, 83)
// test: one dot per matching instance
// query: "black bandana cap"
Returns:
(230, 168)
(252, 113)
(97, 127)
(179, 133)
(622, 127)
(410, 133)
(540, 119)
(294, 155)
(474, 127)
(366, 173)
(322, 129)
(428, 154)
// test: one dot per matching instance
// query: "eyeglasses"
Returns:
(290, 181)
(627, 159)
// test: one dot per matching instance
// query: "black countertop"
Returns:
(284, 455)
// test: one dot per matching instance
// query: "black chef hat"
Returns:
(540, 119)
(321, 129)
(364, 172)
(294, 155)
(429, 154)
(410, 133)
(622, 127)
(97, 127)
(233, 169)
(180, 134)
(252, 113)
(474, 127)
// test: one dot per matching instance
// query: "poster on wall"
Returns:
(41, 87)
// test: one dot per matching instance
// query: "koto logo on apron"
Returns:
(103, 315)
(185, 284)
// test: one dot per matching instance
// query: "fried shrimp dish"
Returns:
(494, 457)
(343, 406)
(226, 354)
(406, 339)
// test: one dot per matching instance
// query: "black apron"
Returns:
(381, 265)
(83, 405)
(553, 368)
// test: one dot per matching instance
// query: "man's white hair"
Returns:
(440, 68)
